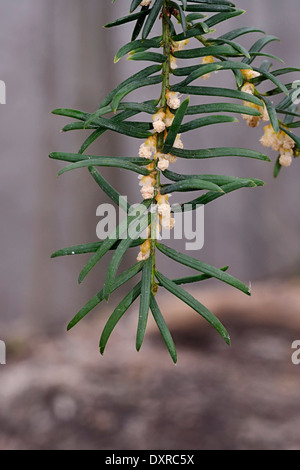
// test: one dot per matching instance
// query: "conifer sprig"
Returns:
(184, 24)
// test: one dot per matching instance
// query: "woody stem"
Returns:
(166, 67)
(166, 44)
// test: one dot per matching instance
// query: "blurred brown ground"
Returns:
(58, 393)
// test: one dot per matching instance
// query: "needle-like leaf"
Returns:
(144, 303)
(194, 304)
(164, 330)
(203, 267)
(117, 315)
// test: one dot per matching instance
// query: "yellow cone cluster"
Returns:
(147, 184)
(253, 121)
(144, 251)
(159, 124)
(207, 60)
(145, 3)
(169, 118)
(164, 212)
(281, 143)
(249, 74)
(161, 121)
(173, 62)
(173, 99)
(164, 160)
(148, 148)
(176, 46)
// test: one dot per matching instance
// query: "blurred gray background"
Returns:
(55, 53)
